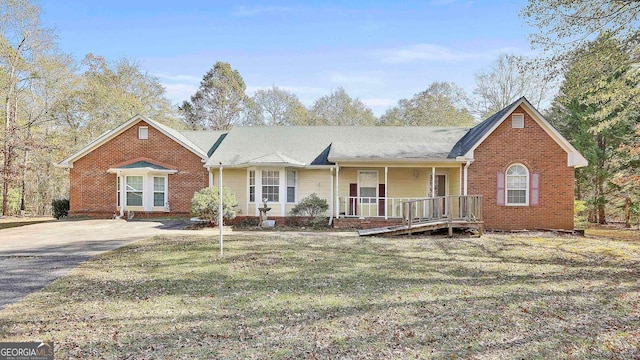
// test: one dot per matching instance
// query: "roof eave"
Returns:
(394, 160)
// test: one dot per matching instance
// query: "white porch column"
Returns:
(331, 199)
(123, 194)
(466, 177)
(210, 177)
(460, 170)
(258, 191)
(283, 191)
(337, 191)
(433, 181)
(386, 191)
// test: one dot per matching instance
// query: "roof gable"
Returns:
(107, 136)
(468, 143)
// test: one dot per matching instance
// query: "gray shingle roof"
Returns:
(476, 133)
(203, 139)
(311, 145)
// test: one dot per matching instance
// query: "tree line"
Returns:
(221, 101)
(585, 83)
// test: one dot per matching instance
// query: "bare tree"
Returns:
(509, 78)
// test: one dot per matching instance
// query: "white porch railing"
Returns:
(355, 206)
(453, 207)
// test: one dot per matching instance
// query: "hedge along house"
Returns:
(515, 161)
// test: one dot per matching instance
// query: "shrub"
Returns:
(580, 214)
(250, 222)
(60, 208)
(205, 202)
(312, 206)
(320, 222)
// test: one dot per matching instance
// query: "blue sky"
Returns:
(379, 51)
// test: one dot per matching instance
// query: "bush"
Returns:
(312, 206)
(60, 208)
(248, 223)
(320, 222)
(580, 214)
(205, 203)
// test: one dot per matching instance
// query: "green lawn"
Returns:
(325, 296)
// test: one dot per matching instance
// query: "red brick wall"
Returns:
(93, 190)
(534, 148)
(367, 223)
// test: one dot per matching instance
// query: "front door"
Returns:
(440, 190)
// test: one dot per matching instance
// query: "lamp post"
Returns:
(220, 211)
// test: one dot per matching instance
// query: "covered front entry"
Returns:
(366, 192)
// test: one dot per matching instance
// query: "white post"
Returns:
(123, 194)
(386, 189)
(337, 191)
(210, 177)
(466, 176)
(460, 170)
(220, 224)
(433, 181)
(331, 196)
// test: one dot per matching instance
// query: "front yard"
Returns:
(324, 296)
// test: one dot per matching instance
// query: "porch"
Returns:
(420, 215)
(379, 192)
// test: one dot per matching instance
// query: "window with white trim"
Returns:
(252, 186)
(291, 186)
(368, 186)
(517, 121)
(118, 190)
(143, 132)
(133, 189)
(271, 185)
(159, 191)
(517, 185)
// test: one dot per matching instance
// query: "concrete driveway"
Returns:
(34, 255)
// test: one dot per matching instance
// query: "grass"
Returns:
(534, 296)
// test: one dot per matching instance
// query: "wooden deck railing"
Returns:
(453, 208)
(359, 206)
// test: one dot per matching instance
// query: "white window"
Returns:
(291, 186)
(159, 191)
(118, 191)
(143, 132)
(368, 186)
(252, 186)
(133, 186)
(517, 121)
(517, 185)
(271, 185)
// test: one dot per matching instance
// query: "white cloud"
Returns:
(177, 93)
(437, 53)
(247, 11)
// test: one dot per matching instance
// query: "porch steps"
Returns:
(421, 227)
